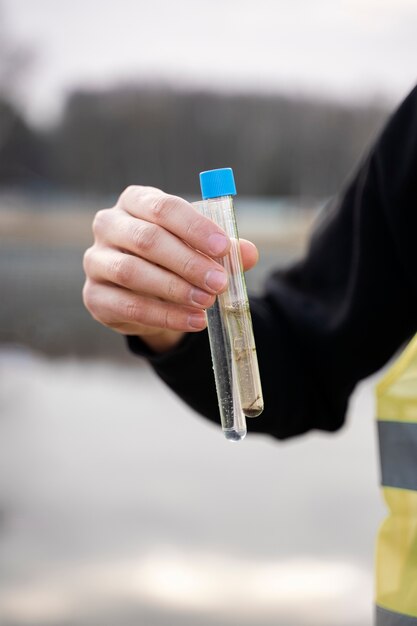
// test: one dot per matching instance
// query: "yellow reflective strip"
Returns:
(397, 409)
(397, 391)
(396, 555)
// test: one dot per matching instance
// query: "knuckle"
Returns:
(163, 205)
(172, 289)
(190, 266)
(160, 207)
(166, 319)
(87, 258)
(142, 313)
(130, 196)
(189, 230)
(169, 317)
(132, 311)
(194, 227)
(144, 237)
(173, 318)
(121, 270)
(100, 222)
(90, 298)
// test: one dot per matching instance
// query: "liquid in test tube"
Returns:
(229, 320)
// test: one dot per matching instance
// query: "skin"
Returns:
(151, 270)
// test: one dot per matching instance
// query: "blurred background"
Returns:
(117, 504)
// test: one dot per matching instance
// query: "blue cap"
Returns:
(217, 183)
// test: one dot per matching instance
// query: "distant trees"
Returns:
(20, 150)
(155, 136)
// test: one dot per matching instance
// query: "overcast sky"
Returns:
(349, 49)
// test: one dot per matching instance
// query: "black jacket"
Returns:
(340, 313)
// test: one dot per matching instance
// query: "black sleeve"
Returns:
(340, 313)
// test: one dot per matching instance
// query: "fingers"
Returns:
(142, 277)
(121, 309)
(177, 216)
(156, 245)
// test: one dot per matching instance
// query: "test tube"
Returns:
(229, 320)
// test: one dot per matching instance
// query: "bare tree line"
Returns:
(157, 136)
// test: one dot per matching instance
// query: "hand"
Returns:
(150, 271)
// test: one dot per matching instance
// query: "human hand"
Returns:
(150, 271)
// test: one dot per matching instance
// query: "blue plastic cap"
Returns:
(217, 183)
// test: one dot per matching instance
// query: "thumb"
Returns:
(250, 254)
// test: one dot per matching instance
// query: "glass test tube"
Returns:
(232, 343)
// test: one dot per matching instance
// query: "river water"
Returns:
(120, 506)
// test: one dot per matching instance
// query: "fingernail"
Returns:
(217, 243)
(196, 320)
(216, 280)
(198, 296)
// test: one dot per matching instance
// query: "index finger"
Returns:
(177, 216)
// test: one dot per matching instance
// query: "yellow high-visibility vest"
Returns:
(396, 552)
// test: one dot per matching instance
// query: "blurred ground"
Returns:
(122, 507)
